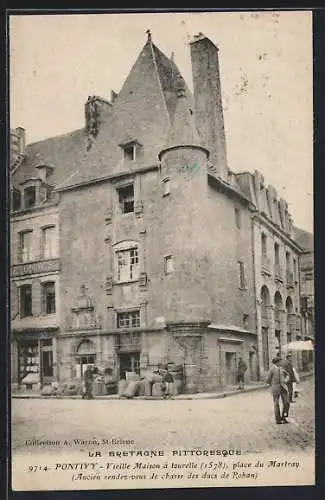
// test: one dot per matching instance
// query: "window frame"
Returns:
(21, 236)
(22, 309)
(54, 242)
(133, 272)
(128, 317)
(45, 298)
(168, 259)
(27, 190)
(126, 200)
(264, 245)
(166, 186)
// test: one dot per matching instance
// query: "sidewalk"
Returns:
(218, 394)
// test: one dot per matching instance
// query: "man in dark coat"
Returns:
(88, 380)
(277, 378)
(242, 367)
(288, 367)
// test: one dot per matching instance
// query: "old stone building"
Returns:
(307, 291)
(159, 253)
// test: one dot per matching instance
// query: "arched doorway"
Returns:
(85, 356)
(265, 302)
(278, 307)
(289, 312)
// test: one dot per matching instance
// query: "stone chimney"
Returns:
(17, 145)
(208, 102)
(97, 110)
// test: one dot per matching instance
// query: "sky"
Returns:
(57, 61)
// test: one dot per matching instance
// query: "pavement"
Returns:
(244, 422)
(218, 394)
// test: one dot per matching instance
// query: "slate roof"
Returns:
(143, 110)
(304, 239)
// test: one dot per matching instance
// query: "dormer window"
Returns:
(130, 150)
(30, 196)
(16, 199)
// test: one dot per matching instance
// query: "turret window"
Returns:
(166, 186)
(168, 264)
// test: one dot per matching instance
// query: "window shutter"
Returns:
(14, 290)
(36, 297)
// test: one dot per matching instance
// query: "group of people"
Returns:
(281, 377)
(167, 381)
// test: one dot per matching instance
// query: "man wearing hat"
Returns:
(288, 367)
(277, 378)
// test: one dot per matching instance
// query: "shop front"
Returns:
(33, 359)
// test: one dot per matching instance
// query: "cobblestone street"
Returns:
(243, 422)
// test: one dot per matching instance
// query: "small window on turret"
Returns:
(168, 264)
(166, 186)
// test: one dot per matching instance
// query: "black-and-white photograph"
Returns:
(161, 250)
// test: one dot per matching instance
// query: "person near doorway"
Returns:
(167, 384)
(277, 379)
(288, 367)
(241, 369)
(88, 382)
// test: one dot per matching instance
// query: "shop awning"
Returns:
(230, 328)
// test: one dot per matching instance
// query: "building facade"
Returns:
(307, 288)
(162, 254)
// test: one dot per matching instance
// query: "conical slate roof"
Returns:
(183, 131)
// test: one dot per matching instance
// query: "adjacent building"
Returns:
(307, 290)
(134, 245)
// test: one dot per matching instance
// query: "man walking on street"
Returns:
(242, 367)
(88, 381)
(277, 379)
(288, 367)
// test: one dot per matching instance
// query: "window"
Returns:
(237, 218)
(129, 152)
(288, 261)
(48, 242)
(264, 245)
(16, 199)
(166, 186)
(242, 276)
(25, 301)
(30, 196)
(295, 277)
(276, 254)
(129, 319)
(126, 198)
(25, 246)
(127, 265)
(48, 297)
(309, 284)
(168, 264)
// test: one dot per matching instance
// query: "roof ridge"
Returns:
(54, 137)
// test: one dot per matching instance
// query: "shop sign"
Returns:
(45, 266)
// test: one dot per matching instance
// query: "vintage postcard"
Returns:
(162, 272)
